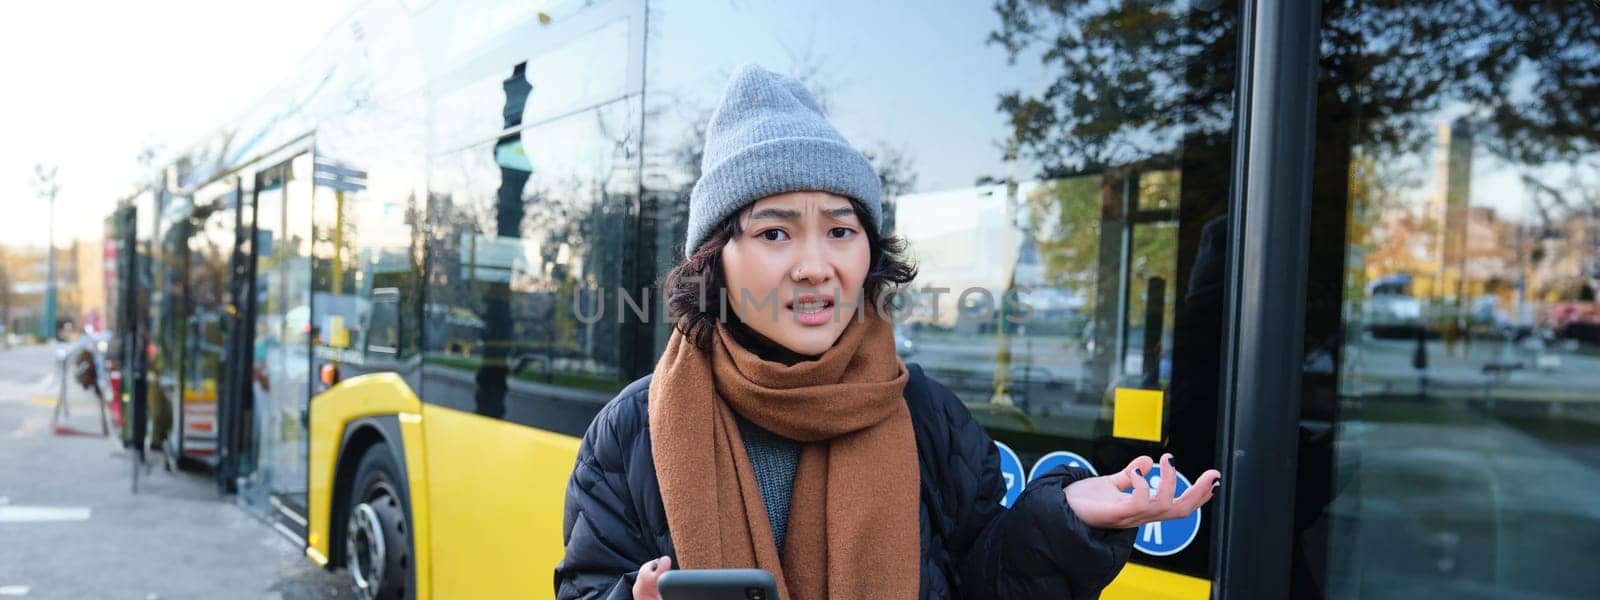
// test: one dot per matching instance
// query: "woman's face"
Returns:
(796, 271)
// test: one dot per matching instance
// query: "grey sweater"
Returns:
(774, 459)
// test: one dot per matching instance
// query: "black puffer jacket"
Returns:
(971, 546)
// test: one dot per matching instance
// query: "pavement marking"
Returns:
(42, 400)
(43, 514)
(13, 590)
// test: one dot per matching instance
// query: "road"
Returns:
(71, 528)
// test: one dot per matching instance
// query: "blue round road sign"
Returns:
(1011, 470)
(1164, 538)
(1058, 458)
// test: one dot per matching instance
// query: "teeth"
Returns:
(812, 306)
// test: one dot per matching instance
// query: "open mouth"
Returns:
(810, 303)
(812, 310)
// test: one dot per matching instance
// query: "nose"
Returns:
(813, 268)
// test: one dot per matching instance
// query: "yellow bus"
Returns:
(401, 285)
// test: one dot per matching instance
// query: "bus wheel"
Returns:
(377, 541)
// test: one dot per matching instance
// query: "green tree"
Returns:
(1065, 218)
(1147, 83)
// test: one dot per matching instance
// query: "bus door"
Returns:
(281, 350)
(138, 240)
(235, 409)
(169, 307)
(1103, 340)
(1447, 437)
(210, 243)
(126, 293)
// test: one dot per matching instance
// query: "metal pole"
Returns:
(62, 411)
(102, 382)
(46, 182)
(50, 286)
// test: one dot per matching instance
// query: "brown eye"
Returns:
(841, 232)
(774, 235)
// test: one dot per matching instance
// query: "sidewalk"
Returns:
(1384, 367)
(70, 528)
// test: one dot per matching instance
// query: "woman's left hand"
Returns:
(1101, 502)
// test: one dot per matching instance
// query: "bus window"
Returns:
(1061, 172)
(527, 237)
(365, 273)
(382, 327)
(1450, 433)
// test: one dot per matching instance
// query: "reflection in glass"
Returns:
(207, 322)
(1059, 202)
(168, 265)
(1451, 427)
(364, 275)
(268, 340)
(525, 235)
(284, 330)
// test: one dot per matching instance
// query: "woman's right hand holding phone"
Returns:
(644, 586)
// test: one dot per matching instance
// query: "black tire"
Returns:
(378, 530)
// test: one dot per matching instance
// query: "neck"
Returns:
(764, 347)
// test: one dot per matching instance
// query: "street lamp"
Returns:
(45, 181)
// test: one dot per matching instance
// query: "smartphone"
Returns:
(717, 584)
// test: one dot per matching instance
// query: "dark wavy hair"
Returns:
(695, 288)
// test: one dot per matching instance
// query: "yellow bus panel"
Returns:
(497, 492)
(1138, 582)
(481, 530)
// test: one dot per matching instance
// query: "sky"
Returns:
(909, 75)
(89, 84)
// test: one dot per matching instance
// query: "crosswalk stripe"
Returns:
(43, 514)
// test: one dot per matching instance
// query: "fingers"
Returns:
(1169, 482)
(1144, 464)
(1144, 505)
(1198, 494)
(1124, 479)
(644, 586)
(1208, 479)
(1135, 472)
(1140, 468)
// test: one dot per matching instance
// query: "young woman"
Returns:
(781, 431)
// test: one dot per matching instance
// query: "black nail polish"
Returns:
(653, 565)
(1138, 472)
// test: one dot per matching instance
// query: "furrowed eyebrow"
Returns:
(839, 213)
(776, 213)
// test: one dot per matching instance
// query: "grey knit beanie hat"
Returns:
(769, 137)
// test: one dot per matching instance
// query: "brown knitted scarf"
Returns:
(853, 518)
